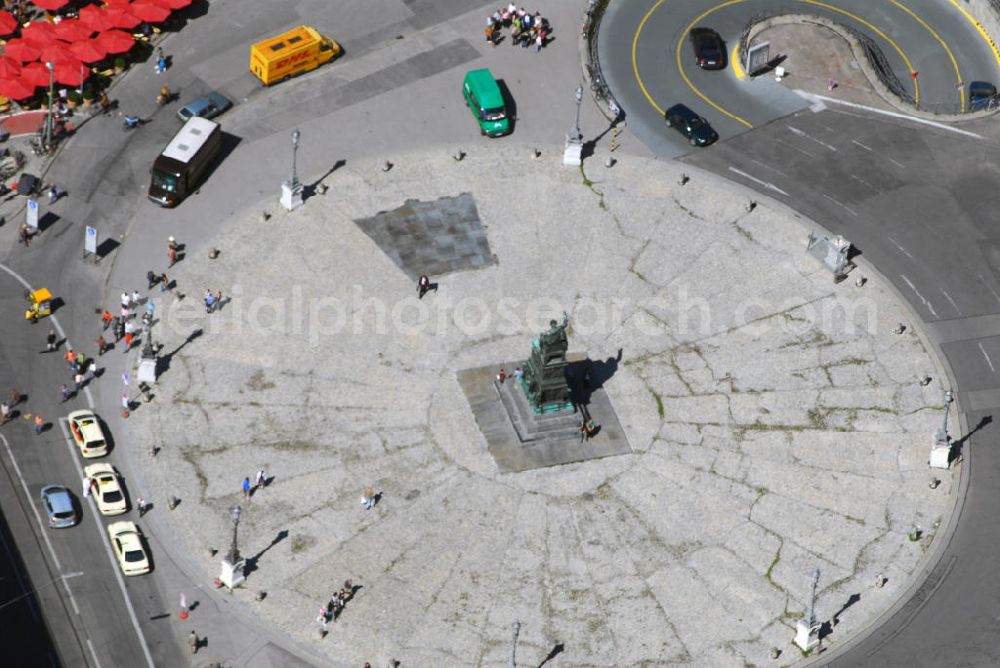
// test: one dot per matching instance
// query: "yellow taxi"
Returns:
(87, 433)
(127, 544)
(106, 488)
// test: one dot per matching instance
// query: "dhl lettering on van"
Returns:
(299, 50)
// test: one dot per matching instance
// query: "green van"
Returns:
(483, 97)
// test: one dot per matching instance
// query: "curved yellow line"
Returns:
(909, 65)
(680, 65)
(951, 56)
(982, 31)
(635, 67)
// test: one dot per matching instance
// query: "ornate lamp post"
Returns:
(941, 451)
(573, 153)
(49, 120)
(807, 630)
(291, 190)
(233, 564)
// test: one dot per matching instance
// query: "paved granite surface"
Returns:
(776, 421)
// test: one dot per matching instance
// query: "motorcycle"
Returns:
(132, 122)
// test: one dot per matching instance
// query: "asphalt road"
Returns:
(917, 202)
(648, 62)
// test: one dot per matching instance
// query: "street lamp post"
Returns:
(573, 153)
(807, 630)
(291, 190)
(516, 628)
(49, 120)
(233, 564)
(941, 451)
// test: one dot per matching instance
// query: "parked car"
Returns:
(87, 434)
(106, 488)
(126, 542)
(209, 105)
(483, 96)
(58, 504)
(981, 94)
(709, 49)
(691, 125)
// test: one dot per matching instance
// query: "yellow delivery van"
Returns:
(294, 52)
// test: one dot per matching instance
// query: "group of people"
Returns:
(331, 611)
(122, 326)
(525, 28)
(260, 482)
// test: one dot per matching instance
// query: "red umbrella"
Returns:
(16, 89)
(35, 74)
(49, 4)
(93, 17)
(149, 12)
(71, 30)
(172, 4)
(89, 50)
(118, 4)
(71, 72)
(39, 32)
(120, 18)
(9, 68)
(21, 50)
(8, 23)
(115, 41)
(54, 52)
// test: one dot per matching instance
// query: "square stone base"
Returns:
(518, 440)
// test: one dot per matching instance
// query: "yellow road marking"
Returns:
(680, 66)
(909, 66)
(735, 61)
(951, 56)
(980, 28)
(635, 67)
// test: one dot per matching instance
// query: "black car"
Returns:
(709, 49)
(690, 124)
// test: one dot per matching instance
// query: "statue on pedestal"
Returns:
(544, 381)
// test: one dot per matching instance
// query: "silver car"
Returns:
(58, 503)
(209, 105)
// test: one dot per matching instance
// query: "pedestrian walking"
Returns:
(54, 193)
(125, 300)
(65, 392)
(209, 301)
(91, 372)
(50, 341)
(161, 61)
(193, 642)
(129, 327)
(423, 286)
(86, 487)
(106, 318)
(218, 300)
(102, 345)
(24, 235)
(368, 497)
(126, 402)
(136, 298)
(164, 283)
(152, 279)
(39, 423)
(78, 379)
(261, 479)
(80, 359)
(14, 397)
(4, 413)
(119, 331)
(140, 505)
(128, 341)
(322, 621)
(246, 488)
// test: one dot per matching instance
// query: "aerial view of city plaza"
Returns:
(433, 333)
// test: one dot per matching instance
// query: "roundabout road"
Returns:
(648, 62)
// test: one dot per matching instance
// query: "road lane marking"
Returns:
(951, 301)
(93, 654)
(982, 31)
(909, 65)
(951, 56)
(734, 60)
(106, 542)
(680, 65)
(901, 249)
(892, 114)
(793, 147)
(44, 530)
(857, 143)
(988, 360)
(765, 184)
(841, 205)
(988, 287)
(801, 133)
(930, 307)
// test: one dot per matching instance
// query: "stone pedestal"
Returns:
(291, 195)
(232, 573)
(573, 153)
(940, 456)
(147, 370)
(806, 635)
